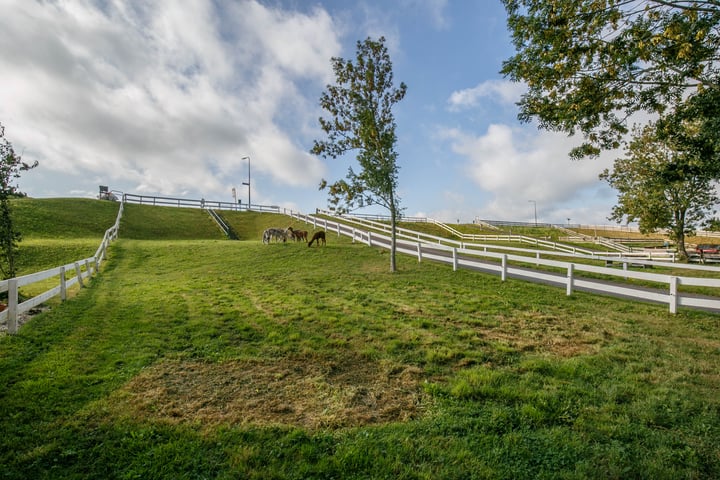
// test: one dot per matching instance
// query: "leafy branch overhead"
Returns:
(590, 65)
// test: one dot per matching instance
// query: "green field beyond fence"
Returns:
(192, 356)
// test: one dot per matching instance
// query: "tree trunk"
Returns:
(679, 233)
(393, 234)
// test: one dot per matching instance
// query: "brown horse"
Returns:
(297, 234)
(317, 236)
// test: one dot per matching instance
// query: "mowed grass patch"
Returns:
(212, 358)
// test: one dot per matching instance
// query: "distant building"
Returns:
(106, 194)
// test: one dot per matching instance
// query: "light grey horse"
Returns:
(274, 233)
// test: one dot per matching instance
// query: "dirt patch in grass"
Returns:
(298, 392)
(532, 331)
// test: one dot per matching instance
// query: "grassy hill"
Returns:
(56, 231)
(206, 358)
(61, 230)
(147, 222)
(250, 225)
(63, 218)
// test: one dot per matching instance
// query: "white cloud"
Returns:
(501, 91)
(514, 166)
(164, 96)
(434, 8)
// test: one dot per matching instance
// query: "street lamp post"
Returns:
(534, 210)
(248, 182)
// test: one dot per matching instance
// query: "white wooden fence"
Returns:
(83, 269)
(471, 240)
(467, 255)
(195, 203)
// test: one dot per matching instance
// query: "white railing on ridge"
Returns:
(194, 203)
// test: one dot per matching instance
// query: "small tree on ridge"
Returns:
(361, 119)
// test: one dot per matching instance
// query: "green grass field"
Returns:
(191, 356)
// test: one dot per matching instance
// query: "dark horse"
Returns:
(317, 236)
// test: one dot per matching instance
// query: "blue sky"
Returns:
(167, 97)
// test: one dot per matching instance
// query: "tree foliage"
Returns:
(590, 64)
(661, 186)
(11, 165)
(361, 120)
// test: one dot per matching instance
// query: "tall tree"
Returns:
(360, 119)
(10, 167)
(660, 186)
(590, 64)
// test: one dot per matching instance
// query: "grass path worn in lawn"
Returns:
(190, 359)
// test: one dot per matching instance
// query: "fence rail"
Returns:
(468, 239)
(194, 203)
(667, 291)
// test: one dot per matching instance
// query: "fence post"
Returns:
(570, 278)
(353, 236)
(12, 305)
(338, 229)
(673, 294)
(103, 250)
(369, 238)
(455, 260)
(78, 272)
(503, 271)
(63, 284)
(419, 250)
(537, 258)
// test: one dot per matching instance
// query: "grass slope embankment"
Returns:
(63, 218)
(147, 222)
(56, 231)
(224, 359)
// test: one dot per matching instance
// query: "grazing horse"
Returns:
(274, 233)
(317, 236)
(297, 234)
(290, 233)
